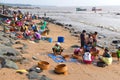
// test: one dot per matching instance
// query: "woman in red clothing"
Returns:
(94, 51)
(79, 51)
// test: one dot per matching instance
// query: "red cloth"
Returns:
(89, 62)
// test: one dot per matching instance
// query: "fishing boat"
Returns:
(80, 9)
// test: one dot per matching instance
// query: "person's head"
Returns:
(93, 47)
(96, 33)
(57, 44)
(84, 31)
(106, 49)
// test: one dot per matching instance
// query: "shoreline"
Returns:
(76, 70)
(104, 39)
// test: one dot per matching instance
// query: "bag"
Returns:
(101, 64)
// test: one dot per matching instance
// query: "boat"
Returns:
(80, 9)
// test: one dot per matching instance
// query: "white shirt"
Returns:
(87, 56)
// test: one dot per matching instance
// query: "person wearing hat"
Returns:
(106, 58)
(118, 53)
(57, 49)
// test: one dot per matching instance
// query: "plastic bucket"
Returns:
(60, 39)
(50, 40)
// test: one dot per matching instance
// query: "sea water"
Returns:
(88, 20)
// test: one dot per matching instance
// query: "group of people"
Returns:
(22, 25)
(88, 50)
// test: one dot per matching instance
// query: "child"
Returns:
(118, 53)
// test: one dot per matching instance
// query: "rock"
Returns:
(66, 24)
(8, 50)
(12, 35)
(15, 58)
(33, 75)
(9, 54)
(4, 39)
(24, 61)
(35, 68)
(34, 58)
(60, 24)
(1, 60)
(9, 64)
(25, 46)
(18, 42)
(38, 70)
(32, 69)
(21, 48)
(8, 44)
(70, 25)
(44, 78)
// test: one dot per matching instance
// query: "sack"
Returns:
(101, 64)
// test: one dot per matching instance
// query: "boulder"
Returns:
(9, 64)
(5, 50)
(25, 61)
(35, 68)
(33, 75)
(44, 77)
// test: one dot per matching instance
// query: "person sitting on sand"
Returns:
(94, 51)
(106, 58)
(87, 58)
(118, 53)
(37, 35)
(79, 51)
(34, 27)
(27, 34)
(57, 49)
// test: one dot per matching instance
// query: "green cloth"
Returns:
(45, 23)
(42, 27)
(118, 53)
(57, 48)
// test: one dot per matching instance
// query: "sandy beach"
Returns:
(76, 70)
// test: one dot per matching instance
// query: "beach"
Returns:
(76, 70)
(67, 23)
